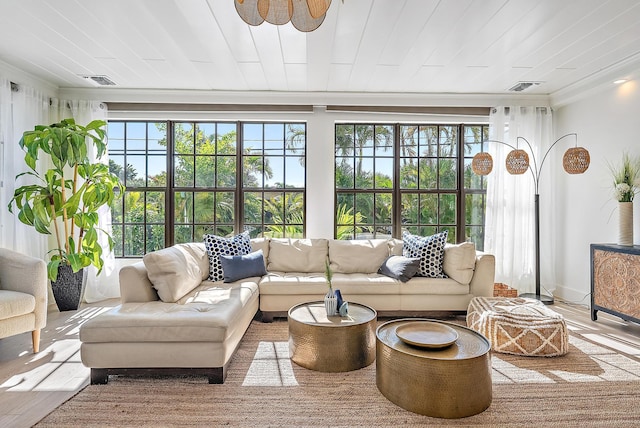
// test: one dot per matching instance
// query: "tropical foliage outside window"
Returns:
(391, 177)
(221, 177)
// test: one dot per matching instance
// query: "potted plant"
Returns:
(626, 182)
(66, 200)
(330, 299)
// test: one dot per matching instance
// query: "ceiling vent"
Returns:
(521, 86)
(100, 80)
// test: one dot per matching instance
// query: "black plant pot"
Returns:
(67, 288)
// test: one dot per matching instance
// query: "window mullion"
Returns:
(169, 191)
(396, 198)
(239, 191)
(460, 216)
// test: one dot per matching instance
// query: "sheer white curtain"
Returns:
(510, 213)
(21, 108)
(105, 285)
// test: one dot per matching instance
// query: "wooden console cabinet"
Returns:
(615, 281)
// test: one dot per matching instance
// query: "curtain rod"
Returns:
(464, 111)
(191, 107)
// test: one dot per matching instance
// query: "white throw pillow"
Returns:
(174, 271)
(297, 255)
(460, 261)
(358, 255)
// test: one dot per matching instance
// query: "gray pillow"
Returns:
(235, 268)
(400, 267)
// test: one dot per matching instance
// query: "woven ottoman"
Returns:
(519, 326)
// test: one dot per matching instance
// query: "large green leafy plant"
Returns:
(68, 195)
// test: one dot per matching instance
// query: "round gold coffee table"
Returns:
(452, 381)
(332, 344)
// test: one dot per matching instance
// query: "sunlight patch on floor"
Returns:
(613, 366)
(612, 343)
(55, 368)
(504, 372)
(271, 366)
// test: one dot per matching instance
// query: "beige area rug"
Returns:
(594, 385)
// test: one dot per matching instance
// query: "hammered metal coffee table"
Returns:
(453, 381)
(332, 344)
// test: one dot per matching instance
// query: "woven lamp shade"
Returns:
(305, 15)
(482, 163)
(517, 162)
(576, 160)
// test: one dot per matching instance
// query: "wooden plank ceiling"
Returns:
(379, 46)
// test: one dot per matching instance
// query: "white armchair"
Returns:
(23, 295)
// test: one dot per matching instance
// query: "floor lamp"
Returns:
(575, 161)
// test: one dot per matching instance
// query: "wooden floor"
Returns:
(31, 386)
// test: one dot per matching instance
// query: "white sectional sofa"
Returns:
(173, 319)
(296, 274)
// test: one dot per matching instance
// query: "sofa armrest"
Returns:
(135, 285)
(26, 274)
(483, 275)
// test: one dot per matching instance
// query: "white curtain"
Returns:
(105, 285)
(20, 110)
(510, 213)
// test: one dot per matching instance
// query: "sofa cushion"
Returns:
(459, 261)
(261, 244)
(395, 247)
(419, 285)
(245, 266)
(400, 267)
(315, 286)
(15, 303)
(207, 314)
(357, 255)
(297, 255)
(231, 246)
(430, 251)
(174, 271)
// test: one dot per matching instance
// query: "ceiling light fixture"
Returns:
(305, 15)
(619, 81)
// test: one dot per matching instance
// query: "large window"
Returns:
(273, 180)
(220, 178)
(138, 155)
(204, 180)
(364, 180)
(412, 177)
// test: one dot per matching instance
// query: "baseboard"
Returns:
(573, 296)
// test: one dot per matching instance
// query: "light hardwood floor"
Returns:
(32, 385)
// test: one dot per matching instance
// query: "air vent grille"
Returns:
(521, 86)
(100, 80)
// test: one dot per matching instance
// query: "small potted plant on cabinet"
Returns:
(66, 199)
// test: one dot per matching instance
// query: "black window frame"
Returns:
(171, 188)
(461, 191)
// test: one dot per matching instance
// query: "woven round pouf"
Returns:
(453, 381)
(519, 326)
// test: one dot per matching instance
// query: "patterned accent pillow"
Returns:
(237, 245)
(430, 251)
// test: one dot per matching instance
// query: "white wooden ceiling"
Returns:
(398, 46)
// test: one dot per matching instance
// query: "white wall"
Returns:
(607, 125)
